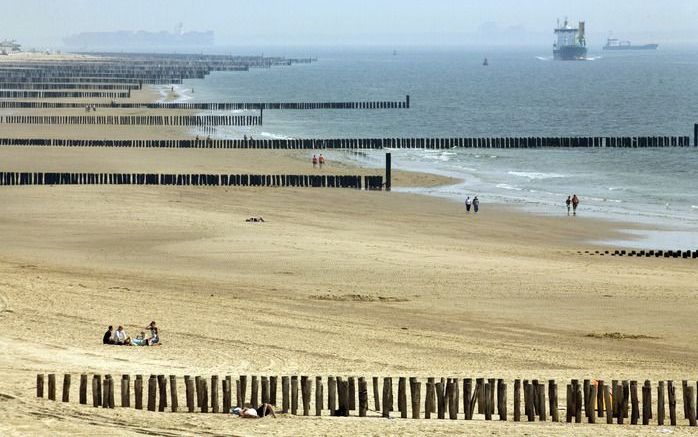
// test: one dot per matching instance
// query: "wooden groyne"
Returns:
(136, 120)
(622, 402)
(363, 143)
(67, 86)
(221, 106)
(44, 94)
(648, 253)
(371, 183)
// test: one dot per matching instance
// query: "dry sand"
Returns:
(336, 282)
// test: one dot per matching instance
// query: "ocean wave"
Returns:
(509, 187)
(535, 175)
(274, 136)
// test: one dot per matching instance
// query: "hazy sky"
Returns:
(353, 22)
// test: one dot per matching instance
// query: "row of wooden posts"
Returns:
(136, 120)
(685, 254)
(67, 86)
(358, 143)
(620, 402)
(371, 183)
(220, 106)
(47, 94)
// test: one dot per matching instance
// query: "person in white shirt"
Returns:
(120, 336)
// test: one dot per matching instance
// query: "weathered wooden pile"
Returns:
(136, 120)
(371, 183)
(620, 402)
(650, 253)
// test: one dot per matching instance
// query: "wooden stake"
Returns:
(39, 385)
(517, 400)
(671, 394)
(83, 389)
(319, 395)
(66, 387)
(331, 395)
(387, 388)
(661, 411)
(52, 387)
(138, 392)
(214, 394)
(174, 402)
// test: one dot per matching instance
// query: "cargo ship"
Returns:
(570, 43)
(616, 44)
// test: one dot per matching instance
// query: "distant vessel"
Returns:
(570, 44)
(616, 44)
(486, 63)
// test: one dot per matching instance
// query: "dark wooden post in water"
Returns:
(695, 135)
(52, 387)
(388, 171)
(66, 387)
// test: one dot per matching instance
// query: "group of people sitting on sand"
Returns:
(318, 160)
(260, 412)
(89, 108)
(120, 338)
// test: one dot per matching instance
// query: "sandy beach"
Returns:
(335, 282)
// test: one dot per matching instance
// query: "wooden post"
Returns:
(294, 395)
(363, 397)
(319, 395)
(450, 399)
(254, 396)
(39, 385)
(197, 385)
(96, 391)
(433, 394)
(83, 389)
(402, 397)
(661, 411)
(240, 400)
(503, 402)
(174, 402)
(214, 393)
(645, 406)
(138, 392)
(52, 387)
(592, 396)
(152, 392)
(587, 400)
(552, 395)
(480, 383)
(125, 391)
(162, 389)
(204, 395)
(376, 397)
(440, 401)
(387, 387)
(634, 402)
(671, 394)
(351, 393)
(388, 172)
(490, 401)
(415, 396)
(429, 400)
(105, 391)
(273, 381)
(467, 390)
(626, 399)
(66, 387)
(529, 399)
(608, 404)
(331, 395)
(227, 403)
(517, 400)
(189, 392)
(285, 394)
(541, 403)
(265, 390)
(691, 406)
(599, 398)
(305, 395)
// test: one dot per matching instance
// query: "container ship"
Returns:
(570, 43)
(615, 44)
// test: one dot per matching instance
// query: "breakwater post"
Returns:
(388, 165)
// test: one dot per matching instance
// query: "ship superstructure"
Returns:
(570, 42)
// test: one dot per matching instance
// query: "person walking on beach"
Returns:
(314, 161)
(476, 204)
(575, 204)
(568, 202)
(468, 203)
(321, 160)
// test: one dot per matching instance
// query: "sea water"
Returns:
(521, 93)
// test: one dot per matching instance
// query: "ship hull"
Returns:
(570, 53)
(643, 47)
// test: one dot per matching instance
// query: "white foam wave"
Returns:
(508, 187)
(532, 175)
(274, 136)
